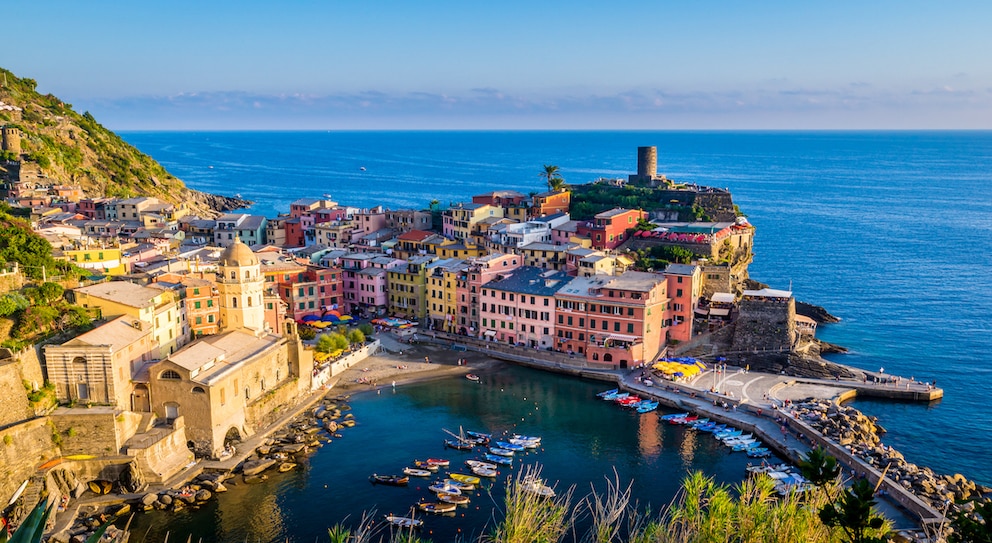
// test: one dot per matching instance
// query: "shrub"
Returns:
(307, 333)
(356, 337)
(366, 329)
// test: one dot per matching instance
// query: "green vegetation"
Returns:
(8, 439)
(334, 341)
(306, 333)
(67, 145)
(33, 252)
(659, 256)
(366, 329)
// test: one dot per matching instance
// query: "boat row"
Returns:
(728, 435)
(787, 479)
(626, 399)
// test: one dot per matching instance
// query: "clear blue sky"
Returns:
(330, 64)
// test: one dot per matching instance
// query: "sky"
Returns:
(426, 64)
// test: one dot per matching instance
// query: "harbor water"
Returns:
(584, 440)
(891, 231)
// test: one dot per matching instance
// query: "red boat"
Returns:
(438, 462)
(629, 400)
(685, 420)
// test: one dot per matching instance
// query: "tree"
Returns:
(366, 329)
(555, 181)
(819, 467)
(356, 337)
(331, 342)
(50, 292)
(853, 513)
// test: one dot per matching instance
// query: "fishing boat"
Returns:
(526, 438)
(480, 464)
(697, 423)
(472, 377)
(462, 478)
(728, 433)
(501, 460)
(416, 472)
(671, 416)
(404, 522)
(764, 467)
(484, 472)
(713, 428)
(392, 480)
(746, 446)
(443, 487)
(500, 451)
(525, 443)
(509, 446)
(684, 420)
(423, 464)
(533, 485)
(759, 452)
(438, 462)
(456, 499)
(100, 486)
(436, 508)
(628, 400)
(459, 444)
(647, 406)
(607, 392)
(613, 397)
(479, 437)
(464, 487)
(736, 439)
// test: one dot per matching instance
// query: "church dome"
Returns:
(238, 254)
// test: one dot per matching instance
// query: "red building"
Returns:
(613, 321)
(608, 229)
(684, 284)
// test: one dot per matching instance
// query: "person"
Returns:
(427, 359)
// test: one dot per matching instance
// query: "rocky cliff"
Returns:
(74, 148)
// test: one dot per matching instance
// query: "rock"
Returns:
(220, 488)
(159, 505)
(81, 538)
(254, 479)
(148, 499)
(188, 498)
(264, 450)
(254, 467)
(203, 495)
(165, 499)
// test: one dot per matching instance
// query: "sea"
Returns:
(890, 231)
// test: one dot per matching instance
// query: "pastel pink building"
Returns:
(364, 283)
(371, 220)
(480, 270)
(518, 307)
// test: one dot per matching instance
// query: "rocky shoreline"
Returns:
(860, 434)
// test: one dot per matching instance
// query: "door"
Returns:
(82, 391)
(171, 412)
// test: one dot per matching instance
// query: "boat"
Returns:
(472, 377)
(480, 464)
(764, 467)
(464, 487)
(456, 499)
(627, 400)
(416, 472)
(714, 428)
(607, 392)
(526, 438)
(462, 478)
(392, 480)
(616, 396)
(647, 406)
(436, 507)
(746, 445)
(100, 486)
(444, 487)
(536, 486)
(671, 416)
(509, 446)
(438, 462)
(18, 492)
(361, 169)
(404, 522)
(697, 423)
(730, 432)
(459, 444)
(501, 460)
(423, 464)
(736, 439)
(759, 452)
(479, 437)
(525, 443)
(484, 472)
(684, 420)
(500, 451)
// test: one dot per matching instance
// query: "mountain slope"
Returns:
(75, 149)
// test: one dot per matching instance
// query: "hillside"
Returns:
(74, 148)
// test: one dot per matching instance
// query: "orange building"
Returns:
(684, 285)
(608, 229)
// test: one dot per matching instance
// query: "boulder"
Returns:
(166, 499)
(148, 499)
(203, 495)
(254, 467)
(220, 488)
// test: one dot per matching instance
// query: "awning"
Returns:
(702, 310)
(619, 337)
(489, 333)
(719, 312)
(723, 297)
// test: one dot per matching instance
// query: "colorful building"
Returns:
(608, 229)
(407, 287)
(684, 286)
(105, 261)
(518, 307)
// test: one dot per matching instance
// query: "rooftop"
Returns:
(680, 269)
(117, 334)
(122, 292)
(530, 280)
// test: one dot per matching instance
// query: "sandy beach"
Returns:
(403, 363)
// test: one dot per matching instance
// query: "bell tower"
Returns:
(240, 285)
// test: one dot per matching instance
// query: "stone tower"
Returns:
(12, 139)
(647, 162)
(240, 284)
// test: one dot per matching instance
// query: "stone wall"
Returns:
(14, 404)
(23, 447)
(767, 324)
(87, 430)
(159, 459)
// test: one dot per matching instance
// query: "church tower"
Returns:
(240, 284)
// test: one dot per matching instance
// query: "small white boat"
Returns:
(498, 451)
(404, 522)
(464, 487)
(416, 472)
(444, 487)
(527, 444)
(472, 377)
(536, 486)
(484, 472)
(480, 464)
(526, 438)
(361, 169)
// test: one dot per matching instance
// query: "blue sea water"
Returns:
(891, 231)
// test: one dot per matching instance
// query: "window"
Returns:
(630, 327)
(210, 303)
(199, 320)
(234, 302)
(616, 326)
(196, 305)
(210, 319)
(169, 375)
(199, 390)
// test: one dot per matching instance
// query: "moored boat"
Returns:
(607, 393)
(392, 480)
(479, 437)
(536, 486)
(480, 464)
(671, 416)
(501, 460)
(456, 499)
(759, 452)
(439, 462)
(459, 444)
(472, 377)
(424, 464)
(416, 472)
(500, 451)
(404, 522)
(484, 472)
(444, 487)
(615, 396)
(526, 438)
(525, 443)
(509, 446)
(436, 507)
(464, 487)
(462, 478)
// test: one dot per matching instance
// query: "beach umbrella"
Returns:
(346, 318)
(310, 318)
(330, 318)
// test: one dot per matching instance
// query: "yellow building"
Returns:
(109, 261)
(442, 283)
(407, 287)
(461, 221)
(159, 308)
(445, 248)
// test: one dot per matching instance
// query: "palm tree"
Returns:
(555, 181)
